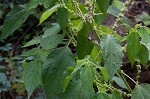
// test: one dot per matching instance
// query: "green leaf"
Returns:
(66, 77)
(34, 41)
(101, 95)
(14, 20)
(103, 5)
(144, 33)
(141, 92)
(75, 91)
(79, 64)
(48, 13)
(87, 75)
(119, 82)
(51, 38)
(84, 46)
(33, 4)
(118, 4)
(113, 10)
(37, 52)
(77, 24)
(133, 46)
(144, 36)
(54, 66)
(32, 76)
(112, 54)
(143, 55)
(63, 17)
(31, 52)
(96, 53)
(48, 3)
(105, 73)
(116, 95)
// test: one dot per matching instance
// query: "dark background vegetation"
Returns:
(11, 86)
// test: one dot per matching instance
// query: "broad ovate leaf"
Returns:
(51, 38)
(34, 41)
(14, 19)
(75, 91)
(143, 55)
(55, 65)
(145, 37)
(87, 74)
(141, 91)
(48, 13)
(32, 76)
(66, 77)
(133, 46)
(84, 46)
(62, 18)
(112, 54)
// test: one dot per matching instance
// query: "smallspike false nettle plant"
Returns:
(91, 69)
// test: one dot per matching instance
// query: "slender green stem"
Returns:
(123, 78)
(97, 55)
(129, 77)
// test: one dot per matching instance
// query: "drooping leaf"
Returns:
(48, 13)
(63, 17)
(133, 46)
(141, 92)
(34, 41)
(54, 66)
(116, 95)
(87, 75)
(119, 82)
(32, 76)
(84, 46)
(75, 91)
(51, 38)
(143, 55)
(14, 20)
(112, 54)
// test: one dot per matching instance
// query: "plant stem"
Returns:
(129, 77)
(123, 78)
(44, 93)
